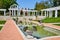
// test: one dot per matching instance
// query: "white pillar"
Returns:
(37, 13)
(14, 13)
(24, 13)
(45, 13)
(19, 12)
(56, 13)
(4, 13)
(28, 13)
(41, 13)
(33, 13)
(10, 12)
(50, 13)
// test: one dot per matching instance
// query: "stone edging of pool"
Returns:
(51, 38)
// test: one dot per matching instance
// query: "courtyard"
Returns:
(36, 20)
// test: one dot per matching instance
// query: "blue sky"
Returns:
(28, 3)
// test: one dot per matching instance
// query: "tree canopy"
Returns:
(54, 2)
(41, 5)
(47, 4)
(7, 3)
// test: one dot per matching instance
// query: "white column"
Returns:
(41, 13)
(36, 14)
(4, 13)
(14, 13)
(45, 13)
(33, 13)
(10, 12)
(24, 13)
(56, 13)
(50, 13)
(28, 13)
(19, 12)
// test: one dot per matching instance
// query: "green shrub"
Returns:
(2, 22)
(0, 27)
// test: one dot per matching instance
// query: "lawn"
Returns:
(42, 32)
(57, 24)
(0, 27)
(2, 22)
(51, 20)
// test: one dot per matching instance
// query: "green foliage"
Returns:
(25, 28)
(51, 20)
(41, 31)
(57, 24)
(54, 2)
(44, 33)
(0, 27)
(6, 3)
(2, 22)
(41, 5)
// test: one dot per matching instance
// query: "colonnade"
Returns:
(17, 13)
(49, 13)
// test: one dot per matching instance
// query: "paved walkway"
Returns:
(10, 31)
(47, 25)
(51, 26)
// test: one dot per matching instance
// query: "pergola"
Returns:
(4, 10)
(15, 11)
(34, 12)
(49, 11)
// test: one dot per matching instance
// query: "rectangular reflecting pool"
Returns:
(36, 31)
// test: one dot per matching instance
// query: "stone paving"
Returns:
(10, 31)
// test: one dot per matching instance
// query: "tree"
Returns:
(41, 5)
(7, 3)
(54, 2)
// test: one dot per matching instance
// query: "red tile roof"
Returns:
(10, 31)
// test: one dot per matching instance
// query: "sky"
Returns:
(28, 3)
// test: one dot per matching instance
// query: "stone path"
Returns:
(51, 26)
(10, 31)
